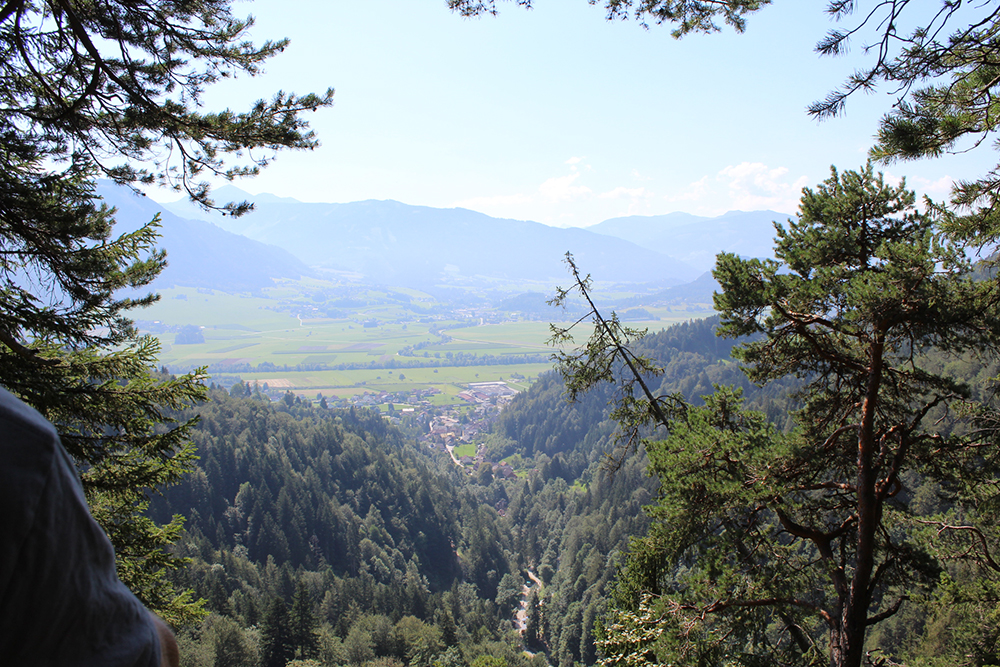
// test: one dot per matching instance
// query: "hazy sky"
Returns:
(555, 115)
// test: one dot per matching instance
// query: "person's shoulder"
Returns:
(18, 416)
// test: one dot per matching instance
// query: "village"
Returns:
(451, 429)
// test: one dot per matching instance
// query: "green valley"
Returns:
(338, 340)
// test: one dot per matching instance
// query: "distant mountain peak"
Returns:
(268, 198)
(201, 253)
(697, 240)
(389, 240)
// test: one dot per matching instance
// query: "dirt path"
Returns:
(451, 453)
(521, 617)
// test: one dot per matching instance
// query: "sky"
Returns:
(556, 115)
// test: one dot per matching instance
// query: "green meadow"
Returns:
(468, 449)
(381, 343)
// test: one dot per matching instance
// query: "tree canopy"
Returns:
(114, 89)
(789, 546)
(686, 15)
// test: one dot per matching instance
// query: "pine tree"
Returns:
(789, 546)
(687, 16)
(449, 632)
(532, 627)
(302, 623)
(277, 646)
(113, 90)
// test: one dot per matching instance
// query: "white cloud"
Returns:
(623, 192)
(753, 186)
(747, 186)
(893, 179)
(694, 192)
(754, 178)
(939, 188)
(572, 197)
(489, 203)
(555, 201)
(561, 188)
(637, 201)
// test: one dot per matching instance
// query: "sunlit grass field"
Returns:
(284, 329)
(468, 449)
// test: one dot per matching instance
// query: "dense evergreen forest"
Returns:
(388, 551)
(330, 536)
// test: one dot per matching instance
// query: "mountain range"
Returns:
(199, 253)
(696, 240)
(395, 243)
(389, 242)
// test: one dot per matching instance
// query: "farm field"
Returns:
(448, 380)
(284, 339)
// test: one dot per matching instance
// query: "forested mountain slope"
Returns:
(342, 512)
(337, 503)
(572, 520)
(303, 488)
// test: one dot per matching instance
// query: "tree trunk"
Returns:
(847, 643)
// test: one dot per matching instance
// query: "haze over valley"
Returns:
(331, 299)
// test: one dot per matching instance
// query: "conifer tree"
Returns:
(533, 625)
(277, 646)
(686, 15)
(790, 546)
(302, 623)
(449, 632)
(113, 89)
